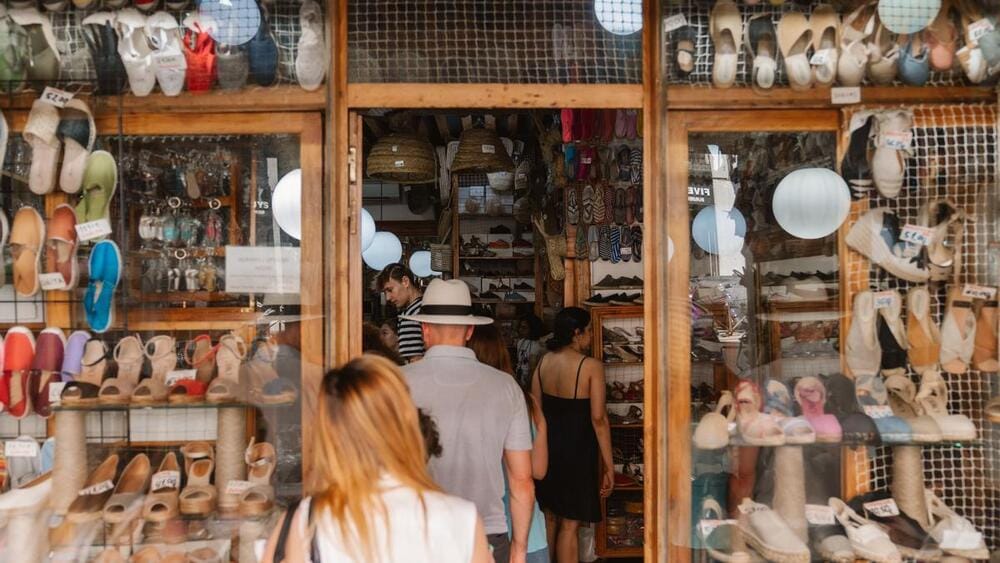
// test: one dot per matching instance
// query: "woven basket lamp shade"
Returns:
(402, 158)
(480, 150)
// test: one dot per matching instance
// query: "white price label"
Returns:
(170, 62)
(868, 533)
(165, 480)
(20, 448)
(237, 487)
(97, 489)
(979, 28)
(93, 229)
(899, 140)
(706, 527)
(179, 374)
(399, 163)
(52, 281)
(961, 539)
(731, 427)
(885, 299)
(674, 22)
(916, 234)
(819, 514)
(753, 507)
(55, 96)
(489, 149)
(878, 411)
(55, 391)
(820, 57)
(979, 291)
(884, 508)
(845, 95)
(395, 148)
(587, 160)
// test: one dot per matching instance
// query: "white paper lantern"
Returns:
(420, 264)
(367, 229)
(907, 16)
(719, 231)
(286, 203)
(621, 17)
(811, 203)
(385, 250)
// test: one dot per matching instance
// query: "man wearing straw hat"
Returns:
(481, 416)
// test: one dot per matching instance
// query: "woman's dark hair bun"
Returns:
(568, 323)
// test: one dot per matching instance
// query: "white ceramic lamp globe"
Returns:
(286, 203)
(811, 203)
(719, 231)
(367, 229)
(420, 264)
(385, 250)
(907, 16)
(621, 17)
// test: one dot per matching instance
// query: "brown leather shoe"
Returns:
(61, 245)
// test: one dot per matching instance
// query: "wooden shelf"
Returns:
(195, 252)
(615, 552)
(184, 296)
(623, 363)
(531, 257)
(637, 425)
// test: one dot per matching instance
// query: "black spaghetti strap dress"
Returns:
(571, 487)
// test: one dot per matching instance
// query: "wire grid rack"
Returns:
(622, 337)
(485, 41)
(697, 13)
(963, 139)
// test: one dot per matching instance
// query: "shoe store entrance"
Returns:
(539, 214)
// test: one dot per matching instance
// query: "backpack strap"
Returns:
(286, 524)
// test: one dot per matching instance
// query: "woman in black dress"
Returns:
(570, 386)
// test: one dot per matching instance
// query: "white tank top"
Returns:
(444, 536)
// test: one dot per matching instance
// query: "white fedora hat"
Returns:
(447, 303)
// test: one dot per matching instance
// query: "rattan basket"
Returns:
(480, 150)
(402, 158)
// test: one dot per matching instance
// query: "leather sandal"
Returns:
(199, 496)
(97, 489)
(125, 502)
(259, 499)
(162, 503)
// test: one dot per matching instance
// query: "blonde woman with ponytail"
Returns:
(372, 499)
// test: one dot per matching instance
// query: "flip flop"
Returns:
(726, 31)
(636, 243)
(794, 38)
(78, 133)
(825, 23)
(581, 242)
(587, 200)
(593, 238)
(40, 133)
(572, 207)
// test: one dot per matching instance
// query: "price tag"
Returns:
(93, 229)
(820, 57)
(884, 508)
(750, 508)
(51, 282)
(179, 374)
(916, 234)
(97, 489)
(900, 140)
(489, 149)
(236, 487)
(55, 391)
(165, 480)
(395, 148)
(170, 62)
(731, 427)
(819, 514)
(878, 411)
(979, 28)
(961, 539)
(884, 299)
(979, 291)
(55, 96)
(845, 95)
(674, 22)
(706, 527)
(20, 448)
(399, 163)
(867, 533)
(586, 160)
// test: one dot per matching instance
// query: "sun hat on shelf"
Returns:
(447, 303)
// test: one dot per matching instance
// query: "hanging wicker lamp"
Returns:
(403, 158)
(480, 150)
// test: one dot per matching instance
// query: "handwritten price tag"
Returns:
(674, 22)
(236, 487)
(845, 95)
(97, 489)
(170, 62)
(399, 163)
(394, 148)
(165, 480)
(900, 140)
(55, 96)
(964, 539)
(979, 292)
(489, 149)
(884, 508)
(52, 282)
(587, 160)
(706, 527)
(878, 411)
(750, 508)
(93, 229)
(179, 374)
(979, 28)
(20, 448)
(55, 391)
(884, 299)
(819, 514)
(916, 234)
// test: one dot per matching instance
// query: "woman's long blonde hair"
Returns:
(368, 427)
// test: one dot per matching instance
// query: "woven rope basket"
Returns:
(402, 158)
(480, 150)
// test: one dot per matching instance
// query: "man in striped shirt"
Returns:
(401, 289)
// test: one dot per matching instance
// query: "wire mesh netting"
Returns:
(960, 143)
(483, 41)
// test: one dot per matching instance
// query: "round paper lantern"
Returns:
(286, 203)
(420, 264)
(811, 203)
(231, 22)
(719, 231)
(385, 250)
(907, 16)
(367, 229)
(621, 17)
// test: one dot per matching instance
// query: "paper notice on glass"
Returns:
(254, 269)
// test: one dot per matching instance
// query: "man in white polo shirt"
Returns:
(481, 417)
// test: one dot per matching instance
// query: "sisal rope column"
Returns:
(908, 482)
(790, 489)
(69, 470)
(230, 444)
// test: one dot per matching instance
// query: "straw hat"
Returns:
(403, 158)
(481, 150)
(447, 303)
